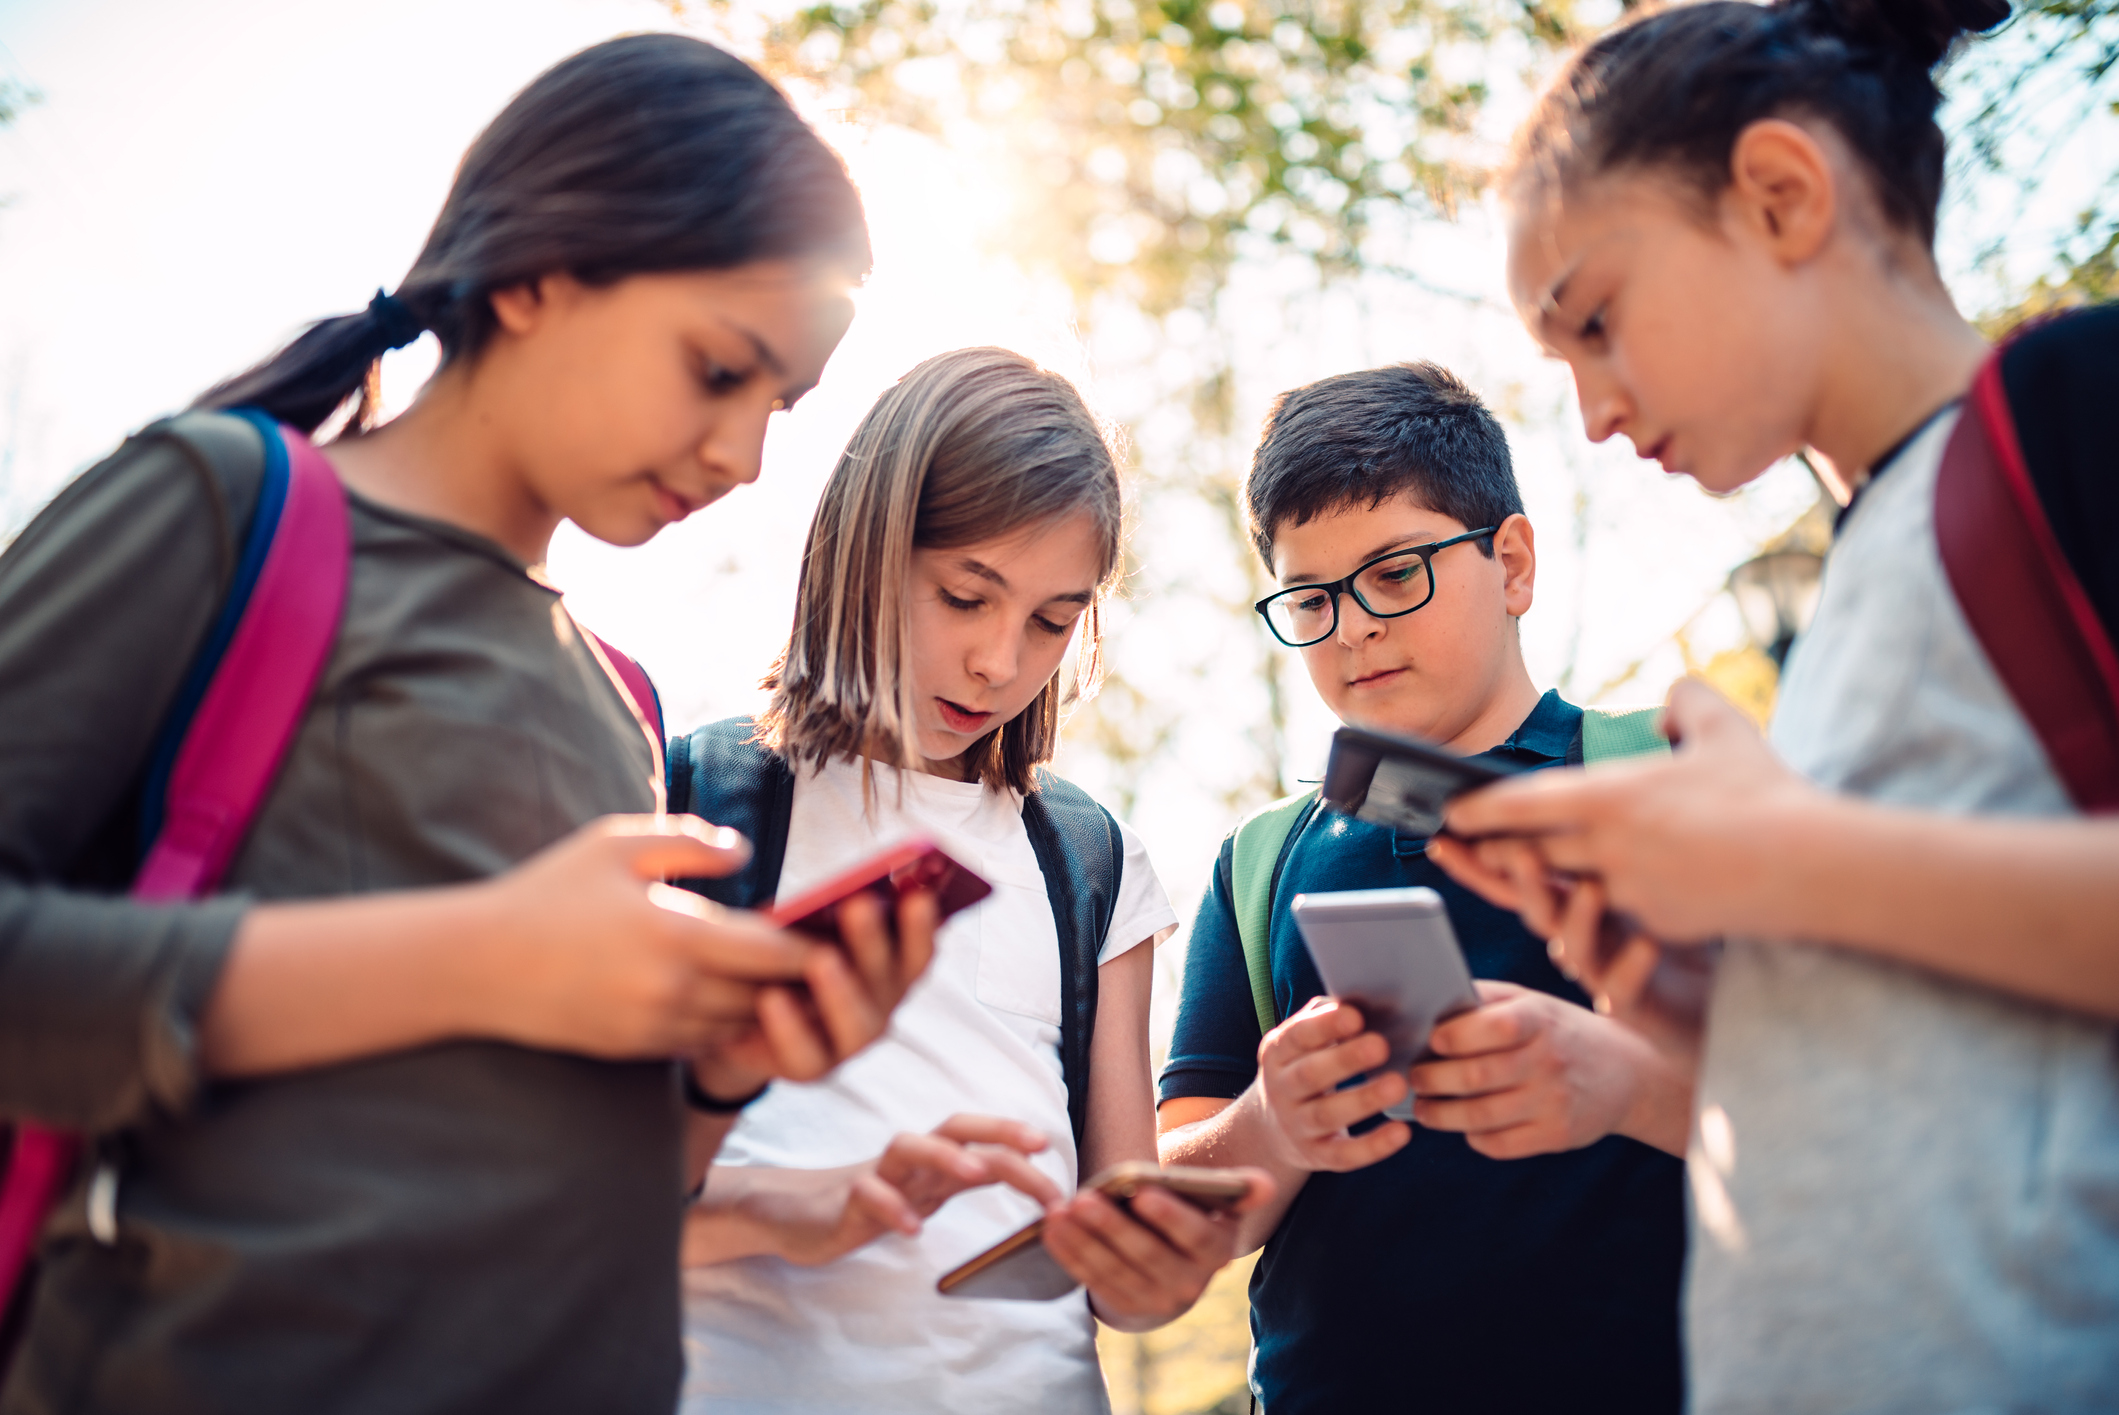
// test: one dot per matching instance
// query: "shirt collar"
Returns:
(1547, 733)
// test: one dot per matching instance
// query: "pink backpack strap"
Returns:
(639, 691)
(228, 759)
(2023, 600)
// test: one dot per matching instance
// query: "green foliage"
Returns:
(1152, 141)
(2080, 279)
(2054, 65)
(14, 97)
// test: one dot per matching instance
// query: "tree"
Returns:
(1158, 144)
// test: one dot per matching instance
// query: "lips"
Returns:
(1376, 679)
(674, 506)
(962, 719)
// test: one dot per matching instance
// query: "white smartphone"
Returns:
(1393, 954)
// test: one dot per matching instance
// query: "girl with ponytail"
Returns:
(391, 1123)
(1723, 220)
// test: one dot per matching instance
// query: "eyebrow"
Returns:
(986, 572)
(1394, 543)
(1549, 311)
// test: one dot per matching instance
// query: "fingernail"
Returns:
(727, 838)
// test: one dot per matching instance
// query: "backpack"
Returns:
(1260, 845)
(215, 757)
(719, 773)
(2027, 524)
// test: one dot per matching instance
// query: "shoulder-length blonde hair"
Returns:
(968, 446)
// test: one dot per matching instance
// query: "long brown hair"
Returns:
(641, 155)
(970, 445)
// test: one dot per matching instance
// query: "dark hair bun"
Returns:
(1919, 30)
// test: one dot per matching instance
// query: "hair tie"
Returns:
(395, 318)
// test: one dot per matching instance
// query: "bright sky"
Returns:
(202, 179)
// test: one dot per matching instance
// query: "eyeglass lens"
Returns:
(1397, 585)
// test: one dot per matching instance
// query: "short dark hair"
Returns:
(1358, 439)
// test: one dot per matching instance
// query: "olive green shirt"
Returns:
(469, 1226)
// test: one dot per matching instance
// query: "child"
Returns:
(1404, 1267)
(965, 538)
(1909, 1116)
(419, 1150)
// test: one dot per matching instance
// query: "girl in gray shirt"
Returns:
(391, 1122)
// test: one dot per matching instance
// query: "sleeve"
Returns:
(1214, 1047)
(104, 599)
(1143, 913)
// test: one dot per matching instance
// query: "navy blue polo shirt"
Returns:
(1439, 1279)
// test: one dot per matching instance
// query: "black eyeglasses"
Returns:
(1387, 587)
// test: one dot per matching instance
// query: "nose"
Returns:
(1605, 407)
(994, 655)
(733, 450)
(1355, 623)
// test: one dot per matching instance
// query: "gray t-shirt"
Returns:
(468, 1226)
(1905, 1188)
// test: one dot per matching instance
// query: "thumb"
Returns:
(675, 847)
(1696, 715)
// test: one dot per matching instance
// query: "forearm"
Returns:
(750, 1211)
(1661, 1113)
(1240, 1134)
(704, 1135)
(2029, 907)
(311, 984)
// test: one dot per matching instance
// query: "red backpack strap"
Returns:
(2023, 600)
(230, 753)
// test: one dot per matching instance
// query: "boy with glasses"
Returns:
(1517, 1248)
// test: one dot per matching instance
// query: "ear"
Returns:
(1516, 548)
(1784, 188)
(521, 308)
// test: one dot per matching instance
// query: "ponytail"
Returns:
(1675, 90)
(327, 363)
(648, 154)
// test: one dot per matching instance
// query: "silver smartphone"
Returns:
(1393, 954)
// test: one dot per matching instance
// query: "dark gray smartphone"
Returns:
(1393, 954)
(1403, 782)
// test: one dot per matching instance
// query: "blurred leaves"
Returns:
(1154, 141)
(14, 97)
(2052, 67)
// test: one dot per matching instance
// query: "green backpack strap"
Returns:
(1611, 733)
(1252, 860)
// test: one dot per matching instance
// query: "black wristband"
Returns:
(699, 1099)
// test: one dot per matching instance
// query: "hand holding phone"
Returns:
(916, 864)
(1021, 1268)
(1393, 954)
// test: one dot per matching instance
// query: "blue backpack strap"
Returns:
(1082, 856)
(718, 773)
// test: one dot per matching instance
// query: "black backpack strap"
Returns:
(1082, 856)
(721, 775)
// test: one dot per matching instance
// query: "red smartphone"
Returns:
(916, 864)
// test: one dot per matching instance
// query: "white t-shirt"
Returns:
(1906, 1187)
(980, 1034)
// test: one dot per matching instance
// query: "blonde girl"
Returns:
(964, 541)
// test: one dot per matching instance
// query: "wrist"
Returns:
(721, 1090)
(1659, 1113)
